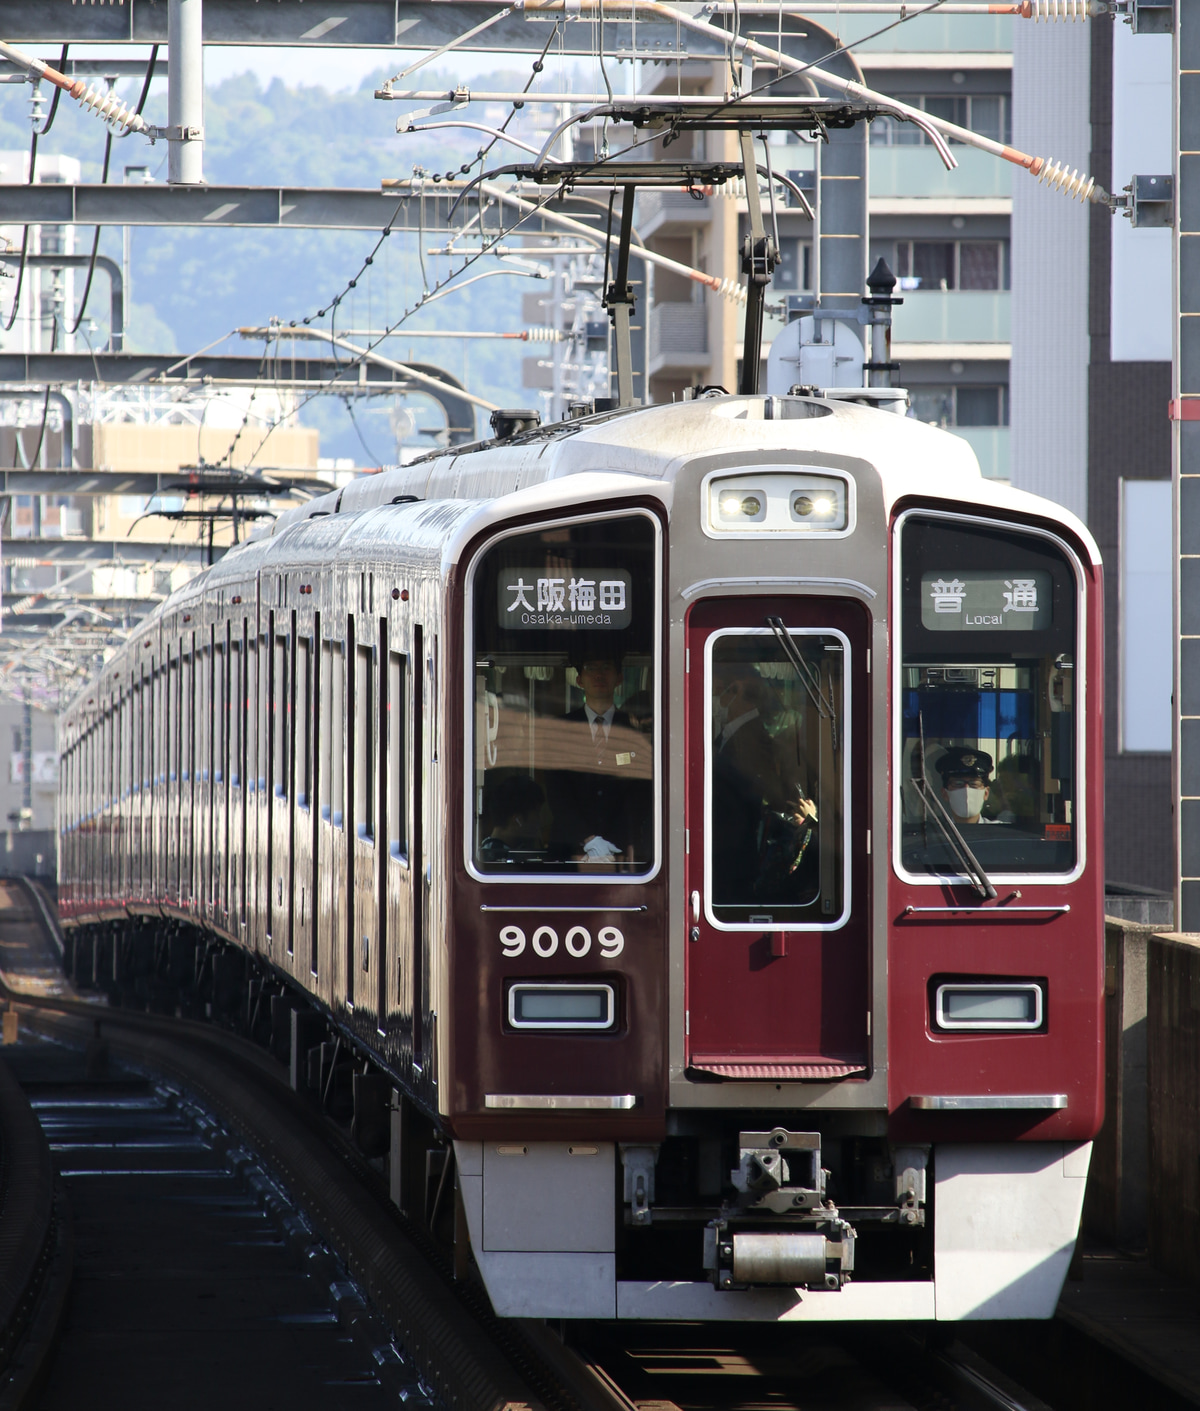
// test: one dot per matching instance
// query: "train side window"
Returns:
(365, 752)
(396, 757)
(280, 724)
(173, 720)
(219, 715)
(263, 712)
(324, 720)
(250, 715)
(303, 723)
(986, 728)
(147, 731)
(205, 715)
(333, 725)
(337, 735)
(237, 697)
(566, 683)
(185, 718)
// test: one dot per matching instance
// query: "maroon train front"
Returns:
(693, 814)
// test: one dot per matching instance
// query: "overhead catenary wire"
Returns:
(464, 170)
(371, 356)
(468, 260)
(1025, 9)
(1052, 173)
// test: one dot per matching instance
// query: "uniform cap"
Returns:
(963, 762)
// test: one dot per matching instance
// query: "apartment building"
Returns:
(946, 235)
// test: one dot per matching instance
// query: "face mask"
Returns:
(965, 802)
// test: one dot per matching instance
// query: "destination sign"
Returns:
(970, 600)
(584, 598)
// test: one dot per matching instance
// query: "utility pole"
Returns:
(135, 173)
(185, 92)
(1185, 414)
(26, 762)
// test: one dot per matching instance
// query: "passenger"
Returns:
(515, 807)
(601, 815)
(966, 782)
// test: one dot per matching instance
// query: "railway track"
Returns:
(210, 1119)
(195, 1280)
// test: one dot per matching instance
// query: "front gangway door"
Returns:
(778, 896)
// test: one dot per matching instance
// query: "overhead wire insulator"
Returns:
(1061, 9)
(109, 107)
(1072, 183)
(727, 288)
(106, 105)
(541, 333)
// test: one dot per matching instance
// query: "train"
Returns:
(689, 817)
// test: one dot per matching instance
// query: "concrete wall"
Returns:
(1173, 1107)
(1115, 1210)
(1143, 1190)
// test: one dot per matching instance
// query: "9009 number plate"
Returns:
(577, 942)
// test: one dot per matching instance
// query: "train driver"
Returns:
(751, 773)
(966, 782)
(600, 812)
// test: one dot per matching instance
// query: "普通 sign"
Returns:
(986, 601)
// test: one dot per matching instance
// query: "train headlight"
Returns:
(989, 1005)
(741, 506)
(784, 502)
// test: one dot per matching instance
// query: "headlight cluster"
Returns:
(787, 503)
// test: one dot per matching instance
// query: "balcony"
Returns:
(678, 337)
(966, 36)
(670, 213)
(953, 316)
(990, 444)
(918, 171)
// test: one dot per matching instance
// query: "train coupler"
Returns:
(808, 1258)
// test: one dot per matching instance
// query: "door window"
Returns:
(776, 777)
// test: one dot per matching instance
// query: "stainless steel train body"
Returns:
(703, 1047)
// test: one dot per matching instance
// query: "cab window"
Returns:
(988, 751)
(565, 691)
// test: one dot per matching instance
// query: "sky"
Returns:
(335, 69)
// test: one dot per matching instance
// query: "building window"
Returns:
(960, 406)
(989, 114)
(1146, 560)
(952, 264)
(794, 270)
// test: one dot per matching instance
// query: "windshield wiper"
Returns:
(809, 678)
(950, 829)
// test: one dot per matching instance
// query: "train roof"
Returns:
(438, 504)
(658, 443)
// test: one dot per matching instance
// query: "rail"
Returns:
(472, 1359)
